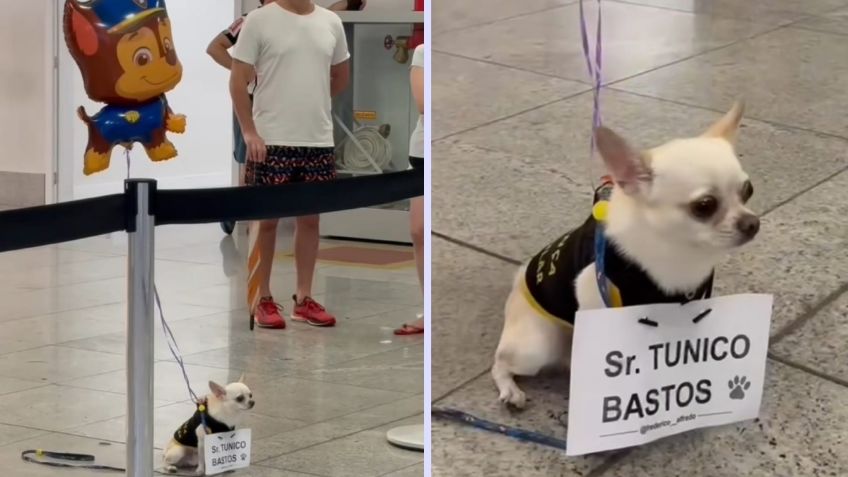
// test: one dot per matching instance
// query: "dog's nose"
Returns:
(748, 225)
(251, 404)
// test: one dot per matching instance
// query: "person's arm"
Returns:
(340, 69)
(245, 58)
(343, 5)
(416, 79)
(339, 77)
(219, 48)
(240, 75)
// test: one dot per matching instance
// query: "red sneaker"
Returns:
(267, 314)
(310, 311)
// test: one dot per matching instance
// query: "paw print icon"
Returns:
(738, 386)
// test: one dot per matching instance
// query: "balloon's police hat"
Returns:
(120, 15)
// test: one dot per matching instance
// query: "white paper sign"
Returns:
(227, 451)
(633, 383)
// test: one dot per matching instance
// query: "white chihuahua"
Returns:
(673, 213)
(222, 411)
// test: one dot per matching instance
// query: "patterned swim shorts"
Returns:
(286, 164)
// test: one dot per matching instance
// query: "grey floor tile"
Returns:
(521, 202)
(105, 454)
(546, 413)
(370, 418)
(299, 347)
(460, 451)
(469, 292)
(831, 22)
(449, 15)
(772, 12)
(468, 93)
(802, 424)
(315, 401)
(353, 308)
(13, 434)
(193, 335)
(56, 328)
(376, 290)
(365, 454)
(64, 274)
(773, 72)
(58, 408)
(16, 305)
(169, 385)
(13, 385)
(793, 256)
(820, 342)
(416, 470)
(400, 369)
(517, 207)
(549, 42)
(262, 471)
(55, 363)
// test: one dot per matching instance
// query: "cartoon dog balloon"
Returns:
(125, 51)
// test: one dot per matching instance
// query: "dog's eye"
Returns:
(143, 56)
(747, 191)
(240, 399)
(704, 207)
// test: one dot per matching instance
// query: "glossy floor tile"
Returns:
(325, 396)
(791, 76)
(548, 42)
(509, 175)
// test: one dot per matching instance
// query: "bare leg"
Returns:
(306, 236)
(416, 229)
(266, 241)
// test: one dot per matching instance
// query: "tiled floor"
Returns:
(325, 397)
(512, 117)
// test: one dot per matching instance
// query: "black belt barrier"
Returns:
(44, 225)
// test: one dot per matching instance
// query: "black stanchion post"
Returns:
(140, 327)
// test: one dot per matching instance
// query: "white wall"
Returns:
(205, 150)
(25, 78)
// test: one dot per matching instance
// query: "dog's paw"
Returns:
(514, 396)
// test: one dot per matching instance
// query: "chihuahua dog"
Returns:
(673, 213)
(220, 411)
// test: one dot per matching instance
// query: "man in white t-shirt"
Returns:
(219, 50)
(299, 54)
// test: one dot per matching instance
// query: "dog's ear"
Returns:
(217, 390)
(727, 127)
(241, 378)
(628, 167)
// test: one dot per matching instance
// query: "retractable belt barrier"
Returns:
(64, 222)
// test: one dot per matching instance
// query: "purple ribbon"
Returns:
(594, 70)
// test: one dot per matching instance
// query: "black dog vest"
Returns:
(551, 275)
(186, 435)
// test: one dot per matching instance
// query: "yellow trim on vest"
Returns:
(538, 308)
(615, 299)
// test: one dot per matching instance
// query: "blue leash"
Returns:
(524, 435)
(173, 347)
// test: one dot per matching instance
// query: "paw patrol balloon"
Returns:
(125, 51)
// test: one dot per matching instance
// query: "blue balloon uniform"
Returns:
(128, 124)
(117, 15)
